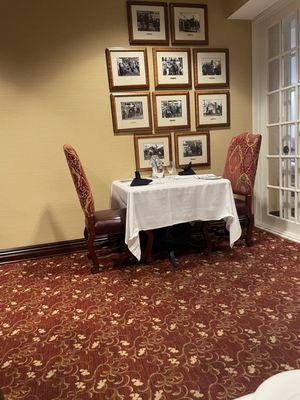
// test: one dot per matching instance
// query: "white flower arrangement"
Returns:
(156, 162)
(157, 167)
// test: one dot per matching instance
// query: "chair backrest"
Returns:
(241, 163)
(80, 181)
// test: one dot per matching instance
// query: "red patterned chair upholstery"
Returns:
(240, 169)
(97, 223)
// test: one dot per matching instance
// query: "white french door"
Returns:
(276, 107)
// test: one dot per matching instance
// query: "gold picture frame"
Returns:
(148, 23)
(172, 68)
(131, 112)
(147, 145)
(127, 69)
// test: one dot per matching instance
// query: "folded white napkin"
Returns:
(209, 176)
(185, 176)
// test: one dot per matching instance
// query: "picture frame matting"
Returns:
(171, 110)
(172, 68)
(212, 109)
(154, 144)
(211, 68)
(148, 23)
(189, 23)
(131, 112)
(127, 69)
(192, 147)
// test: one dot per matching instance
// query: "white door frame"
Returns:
(259, 122)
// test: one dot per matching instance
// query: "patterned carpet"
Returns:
(213, 329)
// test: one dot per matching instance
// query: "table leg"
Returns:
(148, 250)
(207, 237)
(173, 259)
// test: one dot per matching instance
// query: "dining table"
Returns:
(174, 200)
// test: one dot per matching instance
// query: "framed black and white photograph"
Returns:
(172, 68)
(146, 146)
(192, 147)
(212, 109)
(131, 112)
(148, 23)
(189, 23)
(127, 69)
(171, 110)
(211, 68)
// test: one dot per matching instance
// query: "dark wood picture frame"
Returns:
(199, 124)
(199, 85)
(158, 127)
(116, 127)
(149, 41)
(172, 23)
(188, 134)
(114, 87)
(172, 85)
(154, 136)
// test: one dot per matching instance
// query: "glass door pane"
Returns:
(288, 142)
(289, 105)
(289, 70)
(289, 32)
(273, 134)
(274, 75)
(273, 108)
(284, 204)
(297, 172)
(274, 172)
(274, 40)
(288, 205)
(298, 140)
(288, 173)
(273, 202)
(292, 201)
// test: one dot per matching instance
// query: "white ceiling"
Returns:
(252, 9)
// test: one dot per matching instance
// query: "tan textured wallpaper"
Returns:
(54, 90)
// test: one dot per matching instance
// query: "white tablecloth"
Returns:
(172, 202)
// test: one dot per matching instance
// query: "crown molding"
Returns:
(254, 9)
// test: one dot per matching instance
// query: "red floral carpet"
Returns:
(213, 329)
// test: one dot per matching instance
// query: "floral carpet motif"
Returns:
(213, 329)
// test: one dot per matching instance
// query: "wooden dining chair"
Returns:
(240, 168)
(97, 223)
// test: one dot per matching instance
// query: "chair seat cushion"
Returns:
(110, 222)
(240, 207)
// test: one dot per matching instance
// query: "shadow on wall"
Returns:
(50, 224)
(38, 36)
(231, 6)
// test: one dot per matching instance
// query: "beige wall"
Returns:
(54, 90)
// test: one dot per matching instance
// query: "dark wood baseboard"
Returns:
(50, 249)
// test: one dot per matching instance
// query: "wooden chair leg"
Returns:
(92, 253)
(207, 237)
(86, 236)
(249, 231)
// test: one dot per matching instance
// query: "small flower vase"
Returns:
(160, 171)
(154, 171)
(157, 167)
